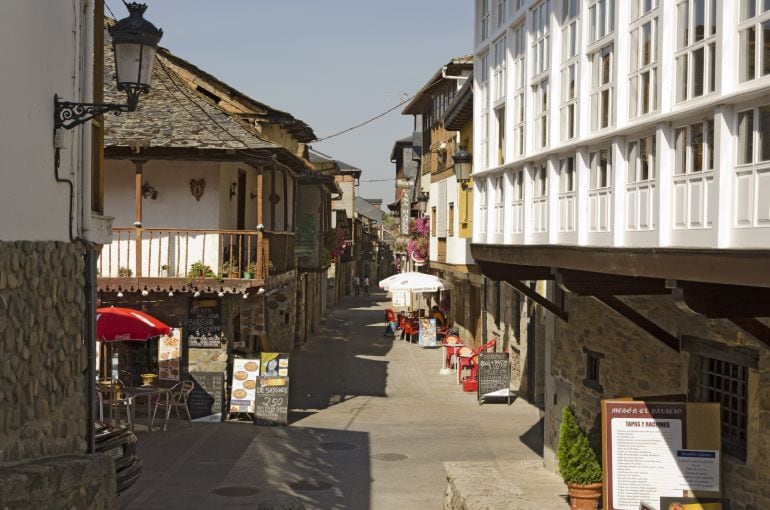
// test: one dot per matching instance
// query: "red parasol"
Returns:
(126, 324)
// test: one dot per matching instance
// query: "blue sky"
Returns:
(330, 63)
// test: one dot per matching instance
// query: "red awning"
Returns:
(115, 324)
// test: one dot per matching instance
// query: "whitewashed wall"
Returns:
(40, 57)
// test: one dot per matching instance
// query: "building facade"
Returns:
(621, 163)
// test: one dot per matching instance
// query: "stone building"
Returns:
(203, 186)
(50, 222)
(621, 166)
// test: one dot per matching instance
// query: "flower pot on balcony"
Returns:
(247, 275)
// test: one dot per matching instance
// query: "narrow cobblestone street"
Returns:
(372, 423)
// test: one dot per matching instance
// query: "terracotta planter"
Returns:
(584, 497)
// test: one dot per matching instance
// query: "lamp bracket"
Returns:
(67, 114)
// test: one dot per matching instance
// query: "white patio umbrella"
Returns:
(415, 282)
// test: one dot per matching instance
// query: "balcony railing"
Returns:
(178, 253)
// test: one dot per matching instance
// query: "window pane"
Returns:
(681, 78)
(699, 19)
(712, 67)
(632, 162)
(748, 9)
(713, 17)
(748, 48)
(697, 147)
(681, 151)
(647, 57)
(646, 92)
(633, 97)
(710, 144)
(684, 25)
(605, 118)
(697, 72)
(764, 132)
(634, 45)
(745, 139)
(765, 48)
(644, 169)
(606, 66)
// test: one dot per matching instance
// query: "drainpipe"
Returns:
(450, 77)
(88, 14)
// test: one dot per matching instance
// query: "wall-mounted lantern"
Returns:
(422, 202)
(134, 42)
(463, 163)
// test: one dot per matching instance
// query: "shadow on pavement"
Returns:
(533, 437)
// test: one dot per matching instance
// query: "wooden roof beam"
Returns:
(641, 321)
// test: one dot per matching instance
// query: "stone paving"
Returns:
(372, 425)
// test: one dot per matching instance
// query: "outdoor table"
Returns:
(148, 392)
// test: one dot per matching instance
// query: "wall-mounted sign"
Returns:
(648, 451)
(204, 325)
(253, 315)
(169, 355)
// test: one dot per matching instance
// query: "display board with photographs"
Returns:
(169, 355)
(272, 392)
(243, 385)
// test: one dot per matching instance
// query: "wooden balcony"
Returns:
(195, 253)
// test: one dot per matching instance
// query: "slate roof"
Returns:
(364, 208)
(172, 116)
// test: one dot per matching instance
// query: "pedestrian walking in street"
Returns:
(356, 284)
(366, 285)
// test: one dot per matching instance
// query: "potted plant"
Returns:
(200, 270)
(579, 464)
(229, 270)
(249, 270)
(124, 272)
(164, 270)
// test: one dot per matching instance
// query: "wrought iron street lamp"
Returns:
(422, 202)
(463, 163)
(134, 42)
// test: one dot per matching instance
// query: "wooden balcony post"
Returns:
(138, 163)
(260, 221)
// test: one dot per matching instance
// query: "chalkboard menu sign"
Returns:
(207, 396)
(204, 324)
(494, 375)
(272, 404)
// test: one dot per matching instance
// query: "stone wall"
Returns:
(42, 356)
(281, 322)
(637, 364)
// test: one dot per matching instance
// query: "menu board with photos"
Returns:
(427, 333)
(204, 324)
(244, 384)
(169, 355)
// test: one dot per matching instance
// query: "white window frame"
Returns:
(570, 68)
(500, 57)
(752, 175)
(499, 203)
(501, 12)
(644, 74)
(752, 21)
(600, 190)
(540, 198)
(603, 88)
(640, 184)
(485, 16)
(692, 52)
(483, 197)
(540, 91)
(601, 19)
(484, 114)
(567, 198)
(693, 186)
(517, 201)
(541, 38)
(519, 76)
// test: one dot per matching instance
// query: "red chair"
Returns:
(411, 329)
(452, 344)
(465, 357)
(475, 366)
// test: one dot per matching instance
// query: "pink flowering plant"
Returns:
(335, 242)
(418, 246)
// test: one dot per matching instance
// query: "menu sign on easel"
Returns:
(494, 375)
(207, 396)
(653, 450)
(244, 385)
(204, 324)
(427, 333)
(272, 392)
